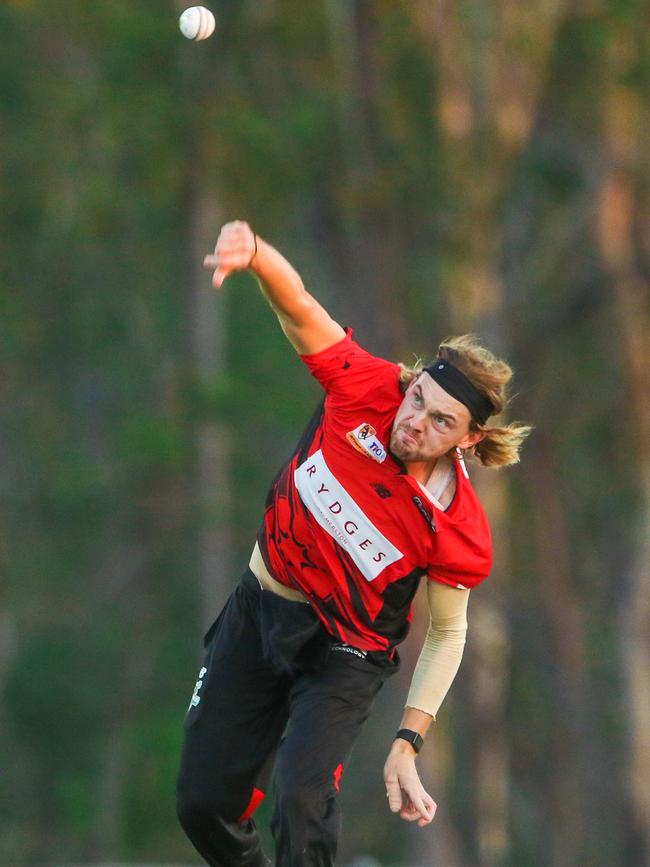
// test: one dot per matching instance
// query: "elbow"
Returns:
(448, 625)
(447, 636)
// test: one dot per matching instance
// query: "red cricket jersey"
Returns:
(345, 523)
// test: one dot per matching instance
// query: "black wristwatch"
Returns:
(416, 740)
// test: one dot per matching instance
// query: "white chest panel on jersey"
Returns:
(342, 517)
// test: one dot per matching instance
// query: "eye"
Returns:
(417, 397)
(441, 420)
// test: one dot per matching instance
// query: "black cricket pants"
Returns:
(273, 686)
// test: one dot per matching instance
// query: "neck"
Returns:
(421, 470)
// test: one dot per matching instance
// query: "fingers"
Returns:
(427, 810)
(420, 808)
(394, 795)
(234, 251)
(411, 801)
(410, 814)
(405, 792)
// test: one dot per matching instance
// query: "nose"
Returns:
(416, 421)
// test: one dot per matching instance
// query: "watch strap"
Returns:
(414, 738)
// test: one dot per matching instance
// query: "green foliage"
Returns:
(321, 123)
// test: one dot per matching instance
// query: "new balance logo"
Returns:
(382, 490)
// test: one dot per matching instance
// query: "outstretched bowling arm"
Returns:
(307, 325)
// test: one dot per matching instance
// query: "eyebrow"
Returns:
(436, 411)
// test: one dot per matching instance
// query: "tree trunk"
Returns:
(572, 741)
(625, 124)
(488, 91)
(373, 255)
(211, 475)
(488, 676)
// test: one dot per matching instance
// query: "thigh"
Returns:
(238, 709)
(327, 710)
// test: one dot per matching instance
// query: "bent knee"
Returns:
(299, 797)
(196, 811)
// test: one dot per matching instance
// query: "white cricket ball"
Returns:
(197, 23)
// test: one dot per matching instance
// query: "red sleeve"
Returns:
(460, 578)
(345, 367)
(463, 553)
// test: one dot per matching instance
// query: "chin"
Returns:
(398, 451)
(405, 455)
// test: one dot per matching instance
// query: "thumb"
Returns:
(219, 276)
(211, 262)
(430, 808)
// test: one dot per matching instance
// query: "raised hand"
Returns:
(235, 250)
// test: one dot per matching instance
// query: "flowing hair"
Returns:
(501, 444)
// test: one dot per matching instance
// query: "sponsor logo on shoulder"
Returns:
(364, 439)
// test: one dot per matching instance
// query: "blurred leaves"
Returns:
(402, 155)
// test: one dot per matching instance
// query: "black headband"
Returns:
(459, 386)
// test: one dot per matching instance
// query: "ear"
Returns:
(471, 439)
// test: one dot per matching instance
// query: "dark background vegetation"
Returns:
(431, 167)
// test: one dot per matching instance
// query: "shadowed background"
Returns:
(430, 168)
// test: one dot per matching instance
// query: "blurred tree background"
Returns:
(430, 167)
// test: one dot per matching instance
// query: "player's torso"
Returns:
(349, 527)
(359, 496)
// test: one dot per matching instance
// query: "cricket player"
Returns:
(375, 497)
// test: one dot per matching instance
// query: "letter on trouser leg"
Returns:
(327, 711)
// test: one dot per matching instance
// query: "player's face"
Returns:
(429, 423)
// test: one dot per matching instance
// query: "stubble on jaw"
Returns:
(404, 453)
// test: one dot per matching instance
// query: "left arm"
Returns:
(433, 675)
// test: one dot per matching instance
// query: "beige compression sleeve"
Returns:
(443, 647)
